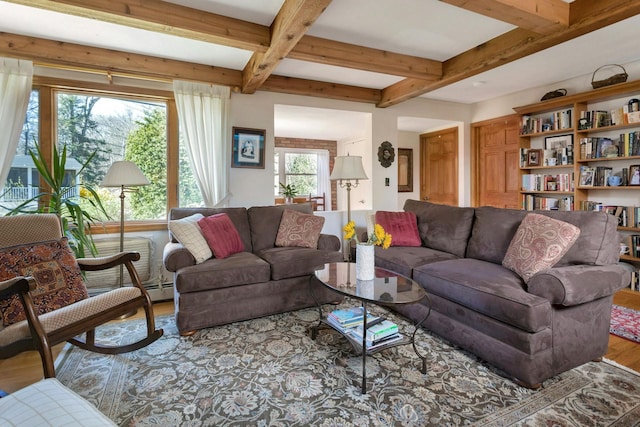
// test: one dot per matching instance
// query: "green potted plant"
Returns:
(289, 191)
(62, 200)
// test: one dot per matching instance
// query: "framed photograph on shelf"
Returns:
(534, 157)
(405, 170)
(247, 148)
(634, 175)
(558, 150)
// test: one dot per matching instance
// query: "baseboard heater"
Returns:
(102, 281)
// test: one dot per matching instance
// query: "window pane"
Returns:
(301, 171)
(101, 130)
(22, 185)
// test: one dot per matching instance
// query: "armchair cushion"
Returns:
(55, 270)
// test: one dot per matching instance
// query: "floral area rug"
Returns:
(268, 372)
(625, 323)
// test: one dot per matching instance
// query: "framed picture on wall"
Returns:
(405, 170)
(247, 148)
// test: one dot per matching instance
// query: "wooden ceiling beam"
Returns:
(539, 16)
(586, 16)
(293, 20)
(74, 56)
(321, 89)
(330, 52)
(166, 18)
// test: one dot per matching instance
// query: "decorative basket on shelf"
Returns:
(615, 79)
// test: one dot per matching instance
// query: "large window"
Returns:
(105, 128)
(300, 168)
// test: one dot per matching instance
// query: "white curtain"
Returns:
(324, 185)
(15, 89)
(203, 112)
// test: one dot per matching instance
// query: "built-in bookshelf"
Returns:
(591, 140)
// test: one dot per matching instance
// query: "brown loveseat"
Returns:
(532, 331)
(262, 280)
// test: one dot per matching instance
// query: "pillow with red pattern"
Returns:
(403, 227)
(53, 266)
(221, 235)
(539, 243)
(299, 229)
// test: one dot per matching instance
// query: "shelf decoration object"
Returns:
(616, 78)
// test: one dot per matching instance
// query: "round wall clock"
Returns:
(386, 154)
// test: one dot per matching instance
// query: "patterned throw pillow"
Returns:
(187, 232)
(539, 243)
(403, 227)
(221, 235)
(55, 270)
(299, 229)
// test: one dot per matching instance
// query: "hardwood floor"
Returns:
(26, 368)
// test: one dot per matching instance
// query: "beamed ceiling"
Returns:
(382, 52)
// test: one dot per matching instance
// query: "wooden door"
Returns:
(439, 166)
(496, 174)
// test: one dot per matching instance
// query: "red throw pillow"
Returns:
(403, 227)
(221, 235)
(53, 266)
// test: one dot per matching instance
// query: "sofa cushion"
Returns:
(487, 288)
(236, 270)
(539, 243)
(294, 261)
(299, 229)
(187, 231)
(442, 227)
(404, 259)
(238, 217)
(493, 229)
(403, 227)
(56, 273)
(221, 235)
(265, 222)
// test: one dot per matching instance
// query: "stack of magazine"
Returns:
(378, 334)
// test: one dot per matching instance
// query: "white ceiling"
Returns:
(424, 28)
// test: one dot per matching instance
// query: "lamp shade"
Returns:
(348, 167)
(124, 173)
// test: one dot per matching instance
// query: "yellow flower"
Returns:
(378, 233)
(387, 241)
(349, 230)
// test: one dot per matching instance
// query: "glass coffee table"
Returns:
(387, 289)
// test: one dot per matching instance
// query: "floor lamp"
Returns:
(123, 174)
(348, 171)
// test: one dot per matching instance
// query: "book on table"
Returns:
(372, 344)
(378, 331)
(347, 325)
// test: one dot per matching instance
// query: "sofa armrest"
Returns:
(577, 284)
(176, 256)
(329, 242)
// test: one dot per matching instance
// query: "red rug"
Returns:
(625, 323)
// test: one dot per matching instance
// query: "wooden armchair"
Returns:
(51, 314)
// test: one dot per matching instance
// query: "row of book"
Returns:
(635, 277)
(633, 241)
(556, 120)
(379, 331)
(547, 182)
(628, 144)
(628, 216)
(592, 119)
(532, 202)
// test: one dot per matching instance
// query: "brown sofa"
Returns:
(262, 280)
(534, 331)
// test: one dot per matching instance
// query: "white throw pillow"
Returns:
(187, 232)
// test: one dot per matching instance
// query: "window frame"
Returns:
(47, 122)
(283, 151)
